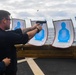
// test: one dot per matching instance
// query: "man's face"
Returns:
(7, 23)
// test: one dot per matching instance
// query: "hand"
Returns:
(35, 26)
(39, 28)
(7, 61)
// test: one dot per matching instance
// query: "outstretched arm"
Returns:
(33, 32)
(25, 30)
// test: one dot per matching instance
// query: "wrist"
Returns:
(32, 28)
(37, 30)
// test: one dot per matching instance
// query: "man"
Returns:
(5, 62)
(9, 38)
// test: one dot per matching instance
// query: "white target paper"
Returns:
(40, 38)
(18, 23)
(64, 33)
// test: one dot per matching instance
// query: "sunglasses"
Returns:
(8, 19)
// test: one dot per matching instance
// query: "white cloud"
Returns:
(47, 8)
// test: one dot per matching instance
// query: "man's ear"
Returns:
(4, 20)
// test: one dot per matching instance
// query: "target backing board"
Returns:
(64, 33)
(40, 38)
(18, 23)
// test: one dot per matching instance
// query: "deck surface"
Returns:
(47, 66)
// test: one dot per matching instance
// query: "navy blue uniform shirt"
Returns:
(2, 67)
(7, 49)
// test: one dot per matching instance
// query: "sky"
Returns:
(49, 9)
